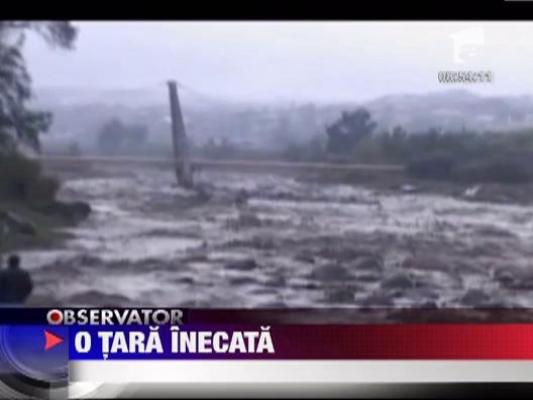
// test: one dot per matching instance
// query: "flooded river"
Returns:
(288, 243)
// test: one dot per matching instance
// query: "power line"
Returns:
(197, 93)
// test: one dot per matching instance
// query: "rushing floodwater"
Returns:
(294, 244)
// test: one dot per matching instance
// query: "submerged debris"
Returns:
(476, 298)
(339, 295)
(242, 198)
(472, 192)
(398, 281)
(242, 265)
(408, 188)
(330, 272)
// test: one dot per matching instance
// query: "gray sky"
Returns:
(329, 61)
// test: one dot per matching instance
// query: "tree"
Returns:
(18, 123)
(111, 137)
(136, 136)
(116, 136)
(346, 132)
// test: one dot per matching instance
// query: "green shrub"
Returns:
(21, 180)
(42, 191)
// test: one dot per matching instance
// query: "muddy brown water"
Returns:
(293, 244)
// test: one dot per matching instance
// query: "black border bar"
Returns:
(278, 10)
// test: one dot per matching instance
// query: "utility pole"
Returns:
(179, 139)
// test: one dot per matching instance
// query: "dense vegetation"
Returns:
(21, 179)
(28, 206)
(19, 123)
(465, 156)
(116, 137)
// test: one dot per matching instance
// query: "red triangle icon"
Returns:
(51, 340)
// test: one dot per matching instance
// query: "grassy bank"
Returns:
(30, 214)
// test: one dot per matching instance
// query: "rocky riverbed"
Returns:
(289, 243)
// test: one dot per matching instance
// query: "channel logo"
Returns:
(128, 316)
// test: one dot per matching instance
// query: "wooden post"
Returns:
(179, 139)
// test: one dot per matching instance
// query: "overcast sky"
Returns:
(302, 61)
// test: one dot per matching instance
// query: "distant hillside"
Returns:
(452, 110)
(80, 112)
